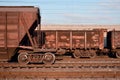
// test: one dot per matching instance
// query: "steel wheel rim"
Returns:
(49, 58)
(118, 54)
(76, 54)
(92, 54)
(23, 58)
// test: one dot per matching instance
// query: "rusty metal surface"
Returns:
(48, 39)
(18, 9)
(73, 39)
(63, 39)
(12, 27)
(78, 39)
(115, 39)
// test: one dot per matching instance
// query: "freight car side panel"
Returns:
(78, 39)
(12, 29)
(50, 39)
(88, 39)
(2, 29)
(55, 39)
(66, 39)
(92, 39)
(14, 23)
(63, 39)
(115, 39)
(3, 34)
(26, 22)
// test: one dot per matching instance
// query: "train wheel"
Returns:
(49, 58)
(92, 54)
(77, 54)
(118, 54)
(23, 58)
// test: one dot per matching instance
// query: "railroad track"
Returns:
(63, 69)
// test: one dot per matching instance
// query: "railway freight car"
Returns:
(81, 43)
(17, 35)
(114, 43)
(16, 26)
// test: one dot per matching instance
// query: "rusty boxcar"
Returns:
(114, 42)
(82, 43)
(16, 23)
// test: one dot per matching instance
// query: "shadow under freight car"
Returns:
(14, 58)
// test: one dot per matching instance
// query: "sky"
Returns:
(73, 12)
